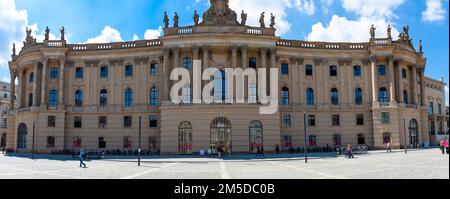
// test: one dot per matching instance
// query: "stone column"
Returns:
(12, 90)
(19, 92)
(244, 57)
(414, 85)
(195, 51)
(400, 82)
(263, 52)
(273, 59)
(391, 78)
(62, 62)
(205, 50)
(165, 73)
(422, 87)
(234, 50)
(44, 83)
(373, 62)
(35, 71)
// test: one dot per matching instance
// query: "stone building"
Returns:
(437, 114)
(5, 97)
(92, 95)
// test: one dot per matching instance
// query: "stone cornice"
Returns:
(143, 59)
(344, 61)
(118, 61)
(91, 62)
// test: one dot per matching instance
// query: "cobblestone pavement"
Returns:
(417, 164)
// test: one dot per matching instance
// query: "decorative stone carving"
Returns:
(29, 40)
(166, 20)
(389, 31)
(47, 34)
(196, 18)
(175, 20)
(14, 50)
(272, 20)
(261, 20)
(420, 47)
(404, 36)
(219, 13)
(243, 18)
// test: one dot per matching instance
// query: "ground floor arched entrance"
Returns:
(185, 138)
(22, 133)
(413, 134)
(221, 135)
(255, 136)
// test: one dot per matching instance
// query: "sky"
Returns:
(97, 21)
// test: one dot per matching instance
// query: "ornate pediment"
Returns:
(29, 40)
(219, 13)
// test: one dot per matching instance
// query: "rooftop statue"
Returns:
(166, 20)
(219, 13)
(175, 20)
(372, 31)
(243, 18)
(47, 34)
(389, 31)
(196, 18)
(406, 30)
(272, 20)
(62, 33)
(29, 40)
(14, 50)
(420, 47)
(261, 20)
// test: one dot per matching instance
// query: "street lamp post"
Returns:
(304, 131)
(404, 129)
(139, 150)
(32, 146)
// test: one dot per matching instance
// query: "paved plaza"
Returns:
(417, 164)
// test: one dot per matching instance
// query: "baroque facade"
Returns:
(96, 96)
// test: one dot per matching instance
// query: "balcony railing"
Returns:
(116, 45)
(322, 45)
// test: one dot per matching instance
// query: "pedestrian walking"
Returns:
(3, 150)
(442, 146)
(277, 149)
(82, 157)
(262, 151)
(350, 152)
(389, 150)
(258, 150)
(446, 146)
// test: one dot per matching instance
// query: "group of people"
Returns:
(443, 145)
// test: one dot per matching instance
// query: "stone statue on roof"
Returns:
(261, 20)
(389, 31)
(14, 50)
(243, 18)
(62, 33)
(272, 20)
(196, 18)
(372, 31)
(47, 34)
(219, 13)
(175, 20)
(166, 20)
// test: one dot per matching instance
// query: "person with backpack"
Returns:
(350, 152)
(446, 146)
(82, 157)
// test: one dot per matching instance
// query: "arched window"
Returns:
(22, 132)
(220, 85)
(53, 101)
(185, 138)
(31, 77)
(103, 97)
(128, 97)
(358, 96)
(285, 96)
(310, 96)
(413, 133)
(334, 96)
(154, 96)
(221, 135)
(252, 93)
(383, 95)
(79, 98)
(284, 69)
(405, 97)
(187, 94)
(256, 135)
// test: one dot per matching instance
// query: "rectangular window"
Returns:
(153, 142)
(102, 122)
(431, 108)
(50, 142)
(79, 73)
(126, 142)
(311, 120)
(153, 69)
(51, 121)
(385, 119)
(129, 71)
(127, 122)
(360, 119)
(153, 121)
(31, 77)
(308, 70)
(333, 71)
(252, 62)
(361, 139)
(404, 75)
(440, 109)
(357, 71)
(104, 72)
(54, 73)
(286, 121)
(381, 70)
(336, 120)
(187, 63)
(285, 69)
(5, 95)
(77, 122)
(101, 143)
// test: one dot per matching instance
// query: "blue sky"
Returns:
(327, 20)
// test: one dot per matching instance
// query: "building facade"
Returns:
(94, 96)
(5, 97)
(437, 110)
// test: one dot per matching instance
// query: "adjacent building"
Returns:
(96, 96)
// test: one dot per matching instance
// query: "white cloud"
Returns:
(306, 6)
(153, 33)
(434, 11)
(326, 4)
(107, 35)
(135, 37)
(12, 29)
(380, 13)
